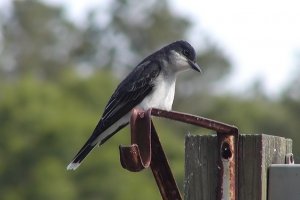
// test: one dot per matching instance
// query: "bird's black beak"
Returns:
(195, 66)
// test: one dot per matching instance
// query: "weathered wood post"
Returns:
(255, 154)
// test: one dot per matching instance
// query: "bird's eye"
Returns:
(186, 52)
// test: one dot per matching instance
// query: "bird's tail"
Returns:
(84, 151)
(98, 138)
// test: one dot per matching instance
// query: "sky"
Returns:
(261, 37)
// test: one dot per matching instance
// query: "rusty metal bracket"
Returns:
(138, 156)
(146, 150)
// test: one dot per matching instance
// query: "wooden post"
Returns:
(256, 153)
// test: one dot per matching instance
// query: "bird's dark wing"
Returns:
(131, 91)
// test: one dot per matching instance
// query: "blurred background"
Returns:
(61, 60)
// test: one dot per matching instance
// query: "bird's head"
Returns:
(182, 56)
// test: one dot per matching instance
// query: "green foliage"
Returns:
(44, 123)
(37, 41)
(154, 26)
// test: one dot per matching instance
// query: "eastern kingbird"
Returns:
(151, 84)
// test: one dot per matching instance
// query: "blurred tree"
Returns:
(291, 101)
(292, 90)
(37, 40)
(147, 26)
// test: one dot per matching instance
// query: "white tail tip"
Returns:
(73, 166)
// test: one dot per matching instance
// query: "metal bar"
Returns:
(161, 170)
(195, 120)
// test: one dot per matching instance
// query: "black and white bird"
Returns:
(151, 84)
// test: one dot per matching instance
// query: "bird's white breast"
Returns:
(162, 95)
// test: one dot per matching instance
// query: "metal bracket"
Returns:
(146, 150)
(289, 159)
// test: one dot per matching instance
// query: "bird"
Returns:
(151, 84)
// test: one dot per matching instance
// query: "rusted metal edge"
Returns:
(195, 120)
(227, 166)
(162, 171)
